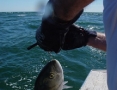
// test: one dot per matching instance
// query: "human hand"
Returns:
(77, 37)
(51, 34)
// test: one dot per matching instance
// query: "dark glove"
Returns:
(77, 37)
(51, 34)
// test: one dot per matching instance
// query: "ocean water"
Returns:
(20, 67)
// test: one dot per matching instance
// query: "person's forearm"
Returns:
(68, 9)
(98, 42)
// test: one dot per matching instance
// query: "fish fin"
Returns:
(65, 86)
(65, 82)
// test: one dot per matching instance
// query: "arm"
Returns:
(98, 42)
(63, 10)
(68, 10)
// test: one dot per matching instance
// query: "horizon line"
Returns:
(41, 12)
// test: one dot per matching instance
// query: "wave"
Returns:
(20, 67)
(21, 15)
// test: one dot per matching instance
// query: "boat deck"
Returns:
(96, 80)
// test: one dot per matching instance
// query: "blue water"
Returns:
(20, 67)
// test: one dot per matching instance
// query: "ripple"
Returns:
(20, 67)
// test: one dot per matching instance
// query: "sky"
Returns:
(34, 5)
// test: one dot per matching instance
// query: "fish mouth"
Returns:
(57, 66)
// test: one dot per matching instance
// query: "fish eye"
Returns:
(51, 76)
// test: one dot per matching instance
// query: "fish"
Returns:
(51, 77)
